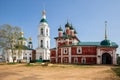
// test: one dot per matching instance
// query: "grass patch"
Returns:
(71, 65)
(3, 63)
(29, 65)
(117, 71)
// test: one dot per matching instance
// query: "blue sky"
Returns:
(87, 16)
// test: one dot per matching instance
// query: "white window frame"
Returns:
(79, 48)
(83, 62)
(65, 51)
(65, 60)
(75, 60)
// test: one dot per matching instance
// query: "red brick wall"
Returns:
(74, 50)
(33, 54)
(59, 51)
(52, 53)
(59, 60)
(90, 60)
(53, 60)
(89, 51)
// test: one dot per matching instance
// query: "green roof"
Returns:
(23, 47)
(22, 38)
(113, 44)
(97, 44)
(105, 42)
(64, 36)
(43, 20)
(30, 42)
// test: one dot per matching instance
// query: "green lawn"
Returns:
(117, 71)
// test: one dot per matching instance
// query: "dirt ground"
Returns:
(57, 72)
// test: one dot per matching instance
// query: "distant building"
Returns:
(69, 49)
(23, 51)
(43, 49)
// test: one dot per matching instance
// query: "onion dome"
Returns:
(22, 36)
(71, 27)
(21, 33)
(105, 42)
(43, 17)
(60, 29)
(67, 25)
(75, 32)
(30, 40)
(43, 20)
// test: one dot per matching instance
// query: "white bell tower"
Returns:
(43, 50)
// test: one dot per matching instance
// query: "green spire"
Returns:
(105, 30)
(43, 17)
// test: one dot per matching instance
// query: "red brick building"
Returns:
(69, 49)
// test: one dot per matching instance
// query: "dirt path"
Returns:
(21, 72)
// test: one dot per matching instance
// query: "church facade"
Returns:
(69, 49)
(23, 51)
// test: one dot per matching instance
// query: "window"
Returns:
(41, 31)
(40, 57)
(25, 58)
(65, 60)
(75, 60)
(65, 51)
(79, 50)
(47, 45)
(41, 43)
(83, 60)
(47, 32)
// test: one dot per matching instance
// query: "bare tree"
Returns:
(9, 37)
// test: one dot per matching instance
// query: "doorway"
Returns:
(106, 58)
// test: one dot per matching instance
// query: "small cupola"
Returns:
(105, 42)
(67, 24)
(60, 29)
(30, 45)
(60, 33)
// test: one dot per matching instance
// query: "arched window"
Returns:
(40, 57)
(79, 50)
(41, 31)
(41, 43)
(83, 60)
(75, 60)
